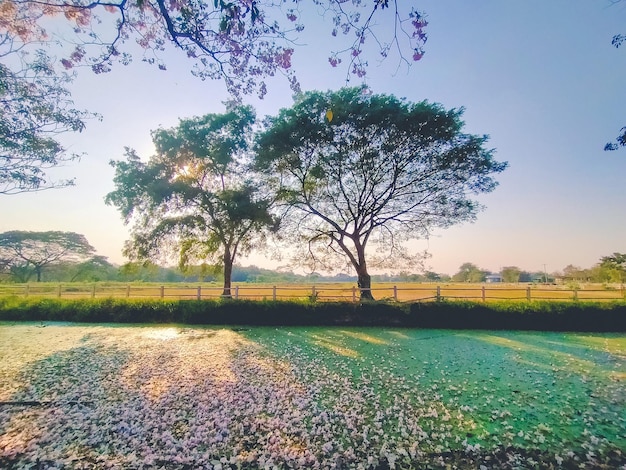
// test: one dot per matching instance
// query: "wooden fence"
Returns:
(320, 292)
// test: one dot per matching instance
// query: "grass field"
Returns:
(183, 398)
(403, 292)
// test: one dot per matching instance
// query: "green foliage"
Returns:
(36, 107)
(542, 316)
(511, 274)
(382, 171)
(94, 269)
(615, 267)
(469, 272)
(537, 315)
(195, 198)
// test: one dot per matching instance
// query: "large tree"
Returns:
(25, 254)
(357, 171)
(194, 197)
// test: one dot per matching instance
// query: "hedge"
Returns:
(543, 316)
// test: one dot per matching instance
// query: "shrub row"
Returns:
(544, 316)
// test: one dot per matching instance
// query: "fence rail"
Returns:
(321, 292)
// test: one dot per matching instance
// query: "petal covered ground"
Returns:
(185, 398)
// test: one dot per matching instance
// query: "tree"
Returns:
(469, 272)
(511, 274)
(192, 197)
(355, 170)
(431, 276)
(25, 254)
(35, 107)
(239, 41)
(615, 266)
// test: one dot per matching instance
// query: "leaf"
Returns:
(329, 115)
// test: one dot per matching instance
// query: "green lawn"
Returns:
(192, 397)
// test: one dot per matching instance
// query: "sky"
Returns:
(540, 78)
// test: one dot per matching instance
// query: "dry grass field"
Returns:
(402, 292)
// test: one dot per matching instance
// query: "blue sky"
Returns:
(541, 78)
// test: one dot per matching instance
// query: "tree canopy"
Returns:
(25, 254)
(511, 274)
(194, 198)
(615, 264)
(469, 272)
(355, 170)
(35, 107)
(239, 41)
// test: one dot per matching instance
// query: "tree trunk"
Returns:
(228, 274)
(364, 280)
(365, 284)
(38, 271)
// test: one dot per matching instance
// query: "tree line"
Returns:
(609, 269)
(68, 257)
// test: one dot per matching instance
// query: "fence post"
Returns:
(575, 295)
(59, 291)
(199, 294)
(236, 292)
(528, 293)
(162, 292)
(438, 293)
(395, 293)
(483, 293)
(274, 293)
(27, 290)
(93, 291)
(313, 293)
(353, 294)
(128, 291)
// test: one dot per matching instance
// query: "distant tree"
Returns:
(511, 274)
(136, 271)
(27, 254)
(355, 170)
(432, 276)
(575, 273)
(96, 268)
(35, 107)
(194, 197)
(615, 266)
(469, 272)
